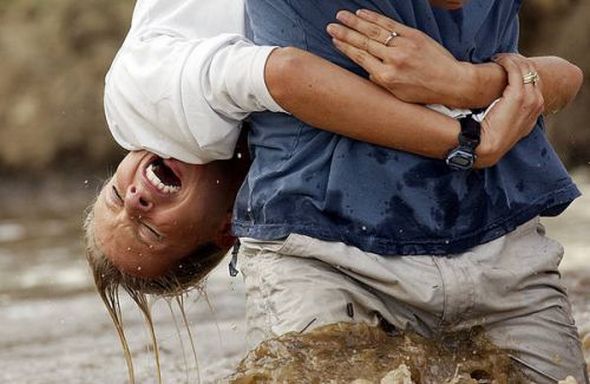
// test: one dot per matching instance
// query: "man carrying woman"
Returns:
(328, 222)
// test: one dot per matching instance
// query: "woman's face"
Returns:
(154, 212)
(448, 4)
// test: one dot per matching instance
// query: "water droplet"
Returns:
(180, 266)
(239, 155)
(139, 268)
(151, 246)
(217, 181)
(85, 182)
(364, 228)
(447, 242)
(128, 249)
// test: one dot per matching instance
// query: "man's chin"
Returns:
(449, 5)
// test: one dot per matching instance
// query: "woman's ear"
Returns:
(224, 238)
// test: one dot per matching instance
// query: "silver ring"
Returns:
(530, 78)
(392, 35)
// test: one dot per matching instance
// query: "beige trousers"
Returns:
(510, 286)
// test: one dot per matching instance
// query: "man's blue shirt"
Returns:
(307, 181)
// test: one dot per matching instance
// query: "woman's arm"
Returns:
(417, 69)
(334, 99)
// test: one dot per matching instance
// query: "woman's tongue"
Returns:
(165, 174)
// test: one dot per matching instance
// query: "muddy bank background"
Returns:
(55, 151)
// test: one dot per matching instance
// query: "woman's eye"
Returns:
(117, 195)
(154, 233)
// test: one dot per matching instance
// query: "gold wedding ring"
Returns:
(530, 78)
(392, 35)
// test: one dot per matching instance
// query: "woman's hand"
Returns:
(411, 65)
(515, 114)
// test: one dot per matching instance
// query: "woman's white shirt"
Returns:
(184, 79)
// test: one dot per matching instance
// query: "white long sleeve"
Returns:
(184, 79)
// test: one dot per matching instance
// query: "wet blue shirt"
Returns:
(311, 182)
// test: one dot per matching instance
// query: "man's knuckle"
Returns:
(364, 44)
(528, 102)
(390, 25)
(419, 38)
(519, 98)
(374, 32)
(401, 58)
(360, 57)
(389, 76)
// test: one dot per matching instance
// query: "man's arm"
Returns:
(484, 83)
(329, 97)
(334, 99)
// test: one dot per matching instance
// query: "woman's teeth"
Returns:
(156, 182)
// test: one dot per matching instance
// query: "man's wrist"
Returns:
(466, 86)
(480, 85)
(488, 151)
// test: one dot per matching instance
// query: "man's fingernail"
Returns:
(331, 28)
(362, 12)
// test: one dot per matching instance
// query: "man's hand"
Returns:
(412, 66)
(417, 69)
(515, 114)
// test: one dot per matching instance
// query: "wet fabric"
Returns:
(389, 202)
(510, 286)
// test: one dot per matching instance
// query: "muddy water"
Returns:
(53, 329)
(345, 353)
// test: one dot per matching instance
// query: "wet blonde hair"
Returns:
(189, 273)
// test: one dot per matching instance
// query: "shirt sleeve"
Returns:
(178, 94)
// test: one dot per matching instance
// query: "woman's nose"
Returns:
(137, 200)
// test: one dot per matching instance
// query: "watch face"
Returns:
(461, 159)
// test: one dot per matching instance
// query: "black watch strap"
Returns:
(470, 135)
(463, 157)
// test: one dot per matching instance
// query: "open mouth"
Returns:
(162, 177)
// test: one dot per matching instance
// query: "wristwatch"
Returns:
(463, 157)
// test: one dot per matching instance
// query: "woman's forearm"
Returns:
(331, 98)
(486, 82)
